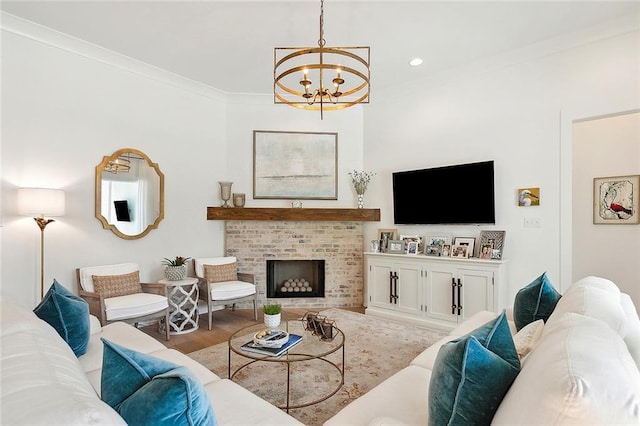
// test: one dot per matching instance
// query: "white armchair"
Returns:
(115, 293)
(221, 284)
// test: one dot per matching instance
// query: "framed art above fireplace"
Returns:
(295, 165)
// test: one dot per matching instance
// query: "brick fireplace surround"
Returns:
(338, 243)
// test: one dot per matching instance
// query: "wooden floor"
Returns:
(225, 322)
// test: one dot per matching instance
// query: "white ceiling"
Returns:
(229, 44)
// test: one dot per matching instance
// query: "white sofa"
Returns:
(581, 370)
(42, 382)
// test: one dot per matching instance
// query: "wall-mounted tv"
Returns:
(122, 211)
(457, 194)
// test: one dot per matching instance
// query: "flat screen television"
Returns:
(453, 195)
(122, 211)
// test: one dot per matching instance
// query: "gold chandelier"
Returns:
(119, 165)
(346, 69)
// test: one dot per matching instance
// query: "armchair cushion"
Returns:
(144, 389)
(85, 273)
(68, 314)
(134, 305)
(231, 290)
(221, 273)
(117, 285)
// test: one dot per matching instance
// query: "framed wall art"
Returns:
(295, 165)
(615, 200)
(396, 247)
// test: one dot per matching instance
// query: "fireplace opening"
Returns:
(295, 278)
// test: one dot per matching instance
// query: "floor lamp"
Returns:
(41, 202)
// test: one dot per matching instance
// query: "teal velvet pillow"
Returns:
(146, 390)
(68, 314)
(472, 374)
(535, 301)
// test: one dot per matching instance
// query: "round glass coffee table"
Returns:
(311, 349)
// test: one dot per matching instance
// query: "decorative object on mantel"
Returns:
(318, 325)
(272, 313)
(238, 200)
(294, 67)
(360, 182)
(225, 192)
(175, 269)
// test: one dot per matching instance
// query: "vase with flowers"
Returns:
(360, 182)
(175, 269)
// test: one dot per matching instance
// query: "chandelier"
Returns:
(119, 165)
(321, 78)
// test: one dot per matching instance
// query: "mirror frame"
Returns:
(98, 202)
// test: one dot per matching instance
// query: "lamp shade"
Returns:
(40, 202)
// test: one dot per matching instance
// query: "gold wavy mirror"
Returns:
(129, 193)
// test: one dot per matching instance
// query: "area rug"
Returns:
(375, 349)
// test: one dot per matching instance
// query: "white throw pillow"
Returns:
(527, 338)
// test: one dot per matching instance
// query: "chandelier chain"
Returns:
(321, 40)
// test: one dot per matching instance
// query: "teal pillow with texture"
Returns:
(146, 390)
(535, 301)
(472, 374)
(68, 314)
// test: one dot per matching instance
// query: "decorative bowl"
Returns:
(276, 339)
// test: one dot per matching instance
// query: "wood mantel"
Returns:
(293, 214)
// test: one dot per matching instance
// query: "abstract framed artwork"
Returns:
(615, 200)
(295, 165)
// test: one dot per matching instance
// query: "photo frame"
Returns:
(386, 235)
(438, 239)
(445, 250)
(410, 238)
(433, 250)
(295, 165)
(460, 251)
(412, 248)
(396, 247)
(615, 200)
(466, 241)
(485, 252)
(495, 240)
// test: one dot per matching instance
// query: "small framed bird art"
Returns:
(615, 200)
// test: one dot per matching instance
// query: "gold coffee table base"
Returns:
(310, 349)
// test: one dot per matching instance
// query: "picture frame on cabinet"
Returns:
(494, 239)
(439, 240)
(412, 248)
(485, 251)
(466, 241)
(395, 247)
(461, 251)
(434, 250)
(446, 250)
(386, 235)
(409, 238)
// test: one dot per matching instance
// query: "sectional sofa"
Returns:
(42, 382)
(580, 367)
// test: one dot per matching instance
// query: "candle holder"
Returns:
(225, 192)
(238, 200)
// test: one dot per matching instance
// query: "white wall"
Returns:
(512, 110)
(608, 146)
(66, 104)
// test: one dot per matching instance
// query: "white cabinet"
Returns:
(434, 291)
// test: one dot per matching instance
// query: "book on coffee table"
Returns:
(294, 339)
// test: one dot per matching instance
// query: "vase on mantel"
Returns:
(360, 189)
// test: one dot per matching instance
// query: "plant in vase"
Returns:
(360, 182)
(175, 269)
(272, 313)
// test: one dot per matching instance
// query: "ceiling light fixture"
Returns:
(415, 62)
(119, 165)
(345, 68)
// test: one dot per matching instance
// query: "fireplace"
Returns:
(295, 278)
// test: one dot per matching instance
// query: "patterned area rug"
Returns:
(375, 349)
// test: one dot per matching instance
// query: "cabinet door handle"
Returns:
(391, 287)
(459, 297)
(395, 291)
(453, 296)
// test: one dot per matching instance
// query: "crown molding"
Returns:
(41, 34)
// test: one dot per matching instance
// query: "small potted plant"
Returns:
(175, 269)
(272, 313)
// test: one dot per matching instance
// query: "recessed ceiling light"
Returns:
(415, 62)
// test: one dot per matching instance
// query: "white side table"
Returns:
(183, 305)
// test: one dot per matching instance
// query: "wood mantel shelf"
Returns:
(293, 214)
